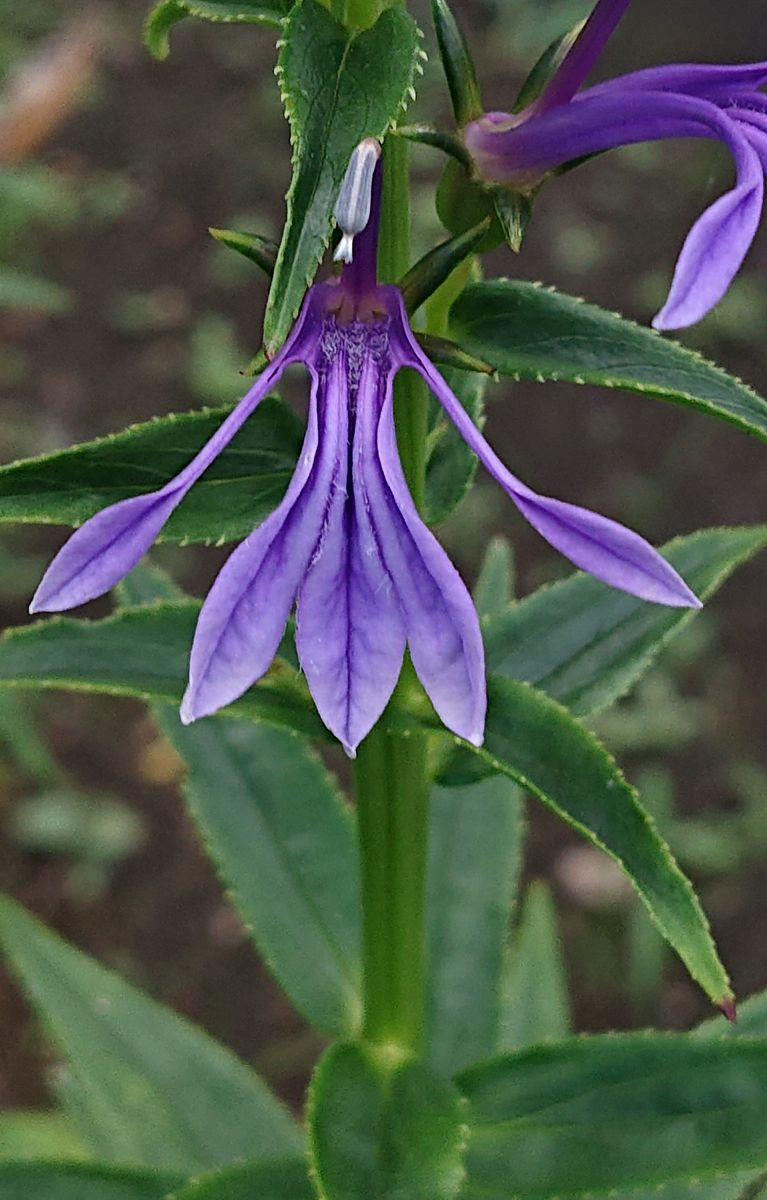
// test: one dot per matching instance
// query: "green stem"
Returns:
(391, 776)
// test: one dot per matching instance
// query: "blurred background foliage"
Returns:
(115, 304)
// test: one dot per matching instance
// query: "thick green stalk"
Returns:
(392, 783)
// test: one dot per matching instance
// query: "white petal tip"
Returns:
(350, 751)
(477, 738)
(344, 251)
(186, 713)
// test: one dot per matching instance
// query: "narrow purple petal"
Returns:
(441, 621)
(596, 544)
(350, 633)
(103, 550)
(584, 54)
(716, 246)
(708, 81)
(244, 615)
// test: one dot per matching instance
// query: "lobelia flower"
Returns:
(677, 101)
(346, 541)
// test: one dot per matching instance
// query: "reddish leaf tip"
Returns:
(728, 1008)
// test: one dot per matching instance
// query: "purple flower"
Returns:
(346, 542)
(679, 101)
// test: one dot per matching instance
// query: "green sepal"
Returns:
(427, 135)
(457, 64)
(437, 265)
(260, 250)
(463, 202)
(168, 13)
(546, 67)
(450, 354)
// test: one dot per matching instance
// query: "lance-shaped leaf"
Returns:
(70, 1181)
(586, 644)
(168, 13)
(383, 1128)
(285, 846)
(148, 1087)
(534, 1002)
(532, 332)
(620, 1112)
(285, 1180)
(144, 653)
(540, 745)
(338, 88)
(475, 844)
(243, 485)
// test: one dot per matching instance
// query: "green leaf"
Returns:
(546, 67)
(36, 1135)
(144, 653)
(243, 485)
(622, 1111)
(285, 845)
(150, 1088)
(534, 1003)
(167, 13)
(532, 332)
(284, 1180)
(451, 465)
(67, 1181)
(475, 844)
(383, 1129)
(338, 88)
(540, 745)
(437, 265)
(494, 589)
(586, 644)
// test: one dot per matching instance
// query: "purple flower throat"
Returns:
(346, 543)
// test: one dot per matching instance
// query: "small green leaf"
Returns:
(338, 88)
(532, 332)
(623, 1111)
(167, 13)
(285, 845)
(450, 464)
(382, 1129)
(540, 745)
(534, 1002)
(143, 652)
(475, 851)
(494, 589)
(586, 644)
(27, 1136)
(244, 484)
(67, 1181)
(457, 64)
(148, 1087)
(260, 250)
(284, 1180)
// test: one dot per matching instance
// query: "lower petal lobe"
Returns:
(350, 635)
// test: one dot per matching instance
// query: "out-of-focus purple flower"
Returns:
(346, 541)
(678, 101)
